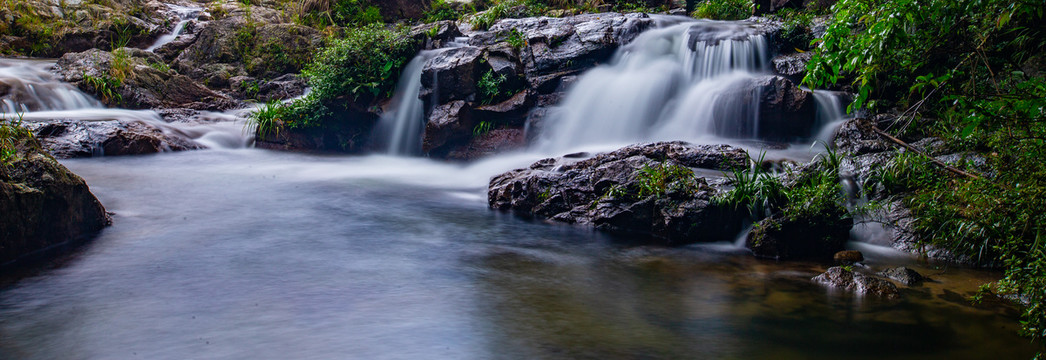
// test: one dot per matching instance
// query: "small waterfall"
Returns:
(399, 130)
(831, 113)
(32, 94)
(185, 14)
(697, 81)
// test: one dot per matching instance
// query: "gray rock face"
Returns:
(144, 87)
(858, 283)
(447, 122)
(903, 275)
(45, 206)
(791, 66)
(602, 191)
(74, 139)
(445, 32)
(452, 75)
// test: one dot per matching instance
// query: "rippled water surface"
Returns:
(248, 254)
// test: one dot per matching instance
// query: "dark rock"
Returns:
(45, 206)
(347, 131)
(848, 257)
(447, 123)
(490, 143)
(452, 75)
(601, 191)
(446, 31)
(509, 112)
(858, 283)
(281, 88)
(394, 10)
(786, 112)
(76, 138)
(792, 66)
(856, 137)
(809, 236)
(903, 275)
(144, 87)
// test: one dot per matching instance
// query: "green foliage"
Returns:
(724, 10)
(795, 30)
(12, 136)
(441, 10)
(160, 66)
(966, 72)
(342, 13)
(268, 119)
(657, 181)
(106, 87)
(490, 87)
(515, 38)
(815, 192)
(482, 128)
(506, 9)
(366, 61)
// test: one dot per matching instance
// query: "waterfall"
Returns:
(694, 81)
(399, 130)
(34, 95)
(185, 14)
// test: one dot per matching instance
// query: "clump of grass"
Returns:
(724, 10)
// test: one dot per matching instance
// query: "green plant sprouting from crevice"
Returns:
(724, 9)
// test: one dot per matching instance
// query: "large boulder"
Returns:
(786, 112)
(809, 236)
(452, 75)
(448, 122)
(77, 138)
(648, 190)
(858, 283)
(146, 82)
(791, 66)
(45, 207)
(233, 46)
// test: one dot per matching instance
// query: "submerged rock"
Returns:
(857, 283)
(44, 206)
(903, 275)
(643, 190)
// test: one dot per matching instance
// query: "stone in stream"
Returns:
(848, 257)
(78, 138)
(607, 191)
(857, 283)
(903, 275)
(45, 207)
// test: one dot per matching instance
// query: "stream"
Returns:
(233, 252)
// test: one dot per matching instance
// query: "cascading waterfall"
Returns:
(185, 14)
(691, 81)
(399, 130)
(34, 95)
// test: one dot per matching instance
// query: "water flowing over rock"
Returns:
(858, 283)
(604, 191)
(44, 206)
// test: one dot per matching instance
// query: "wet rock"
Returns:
(281, 88)
(903, 275)
(806, 236)
(567, 45)
(791, 66)
(75, 138)
(848, 257)
(448, 122)
(786, 113)
(46, 207)
(63, 27)
(452, 75)
(347, 131)
(602, 191)
(857, 283)
(509, 112)
(490, 143)
(145, 85)
(856, 137)
(445, 32)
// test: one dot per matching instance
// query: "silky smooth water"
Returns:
(250, 254)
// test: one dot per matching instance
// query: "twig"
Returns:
(920, 152)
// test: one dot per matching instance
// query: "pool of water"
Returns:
(250, 254)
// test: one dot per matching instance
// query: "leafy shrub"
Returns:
(724, 10)
(441, 10)
(366, 61)
(490, 87)
(658, 181)
(322, 13)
